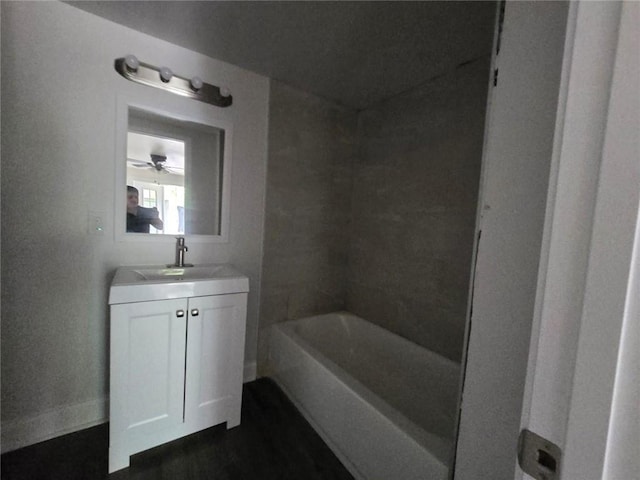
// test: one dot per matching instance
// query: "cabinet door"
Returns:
(215, 360)
(147, 370)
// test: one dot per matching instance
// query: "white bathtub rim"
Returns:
(288, 327)
(356, 388)
(440, 448)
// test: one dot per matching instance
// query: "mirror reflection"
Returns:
(173, 175)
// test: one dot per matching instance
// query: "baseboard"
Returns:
(53, 423)
(250, 372)
(67, 419)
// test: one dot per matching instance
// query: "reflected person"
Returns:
(139, 218)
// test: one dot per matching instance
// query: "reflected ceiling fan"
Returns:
(157, 163)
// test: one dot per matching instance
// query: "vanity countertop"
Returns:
(158, 282)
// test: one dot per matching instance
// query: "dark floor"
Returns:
(274, 441)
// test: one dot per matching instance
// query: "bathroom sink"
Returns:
(174, 273)
(159, 282)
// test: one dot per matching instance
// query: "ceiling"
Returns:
(354, 53)
(141, 146)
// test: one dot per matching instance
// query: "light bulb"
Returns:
(131, 62)
(196, 83)
(224, 92)
(165, 74)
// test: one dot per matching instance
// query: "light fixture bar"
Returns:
(132, 69)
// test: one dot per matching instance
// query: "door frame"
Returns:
(584, 307)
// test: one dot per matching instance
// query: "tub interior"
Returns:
(419, 384)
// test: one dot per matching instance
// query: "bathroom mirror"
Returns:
(172, 173)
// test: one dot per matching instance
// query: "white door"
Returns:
(147, 371)
(519, 142)
(582, 381)
(215, 358)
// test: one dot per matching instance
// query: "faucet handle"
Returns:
(180, 241)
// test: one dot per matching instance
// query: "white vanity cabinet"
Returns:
(176, 366)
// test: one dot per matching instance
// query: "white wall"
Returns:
(603, 426)
(621, 454)
(59, 92)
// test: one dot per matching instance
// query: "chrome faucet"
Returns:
(181, 248)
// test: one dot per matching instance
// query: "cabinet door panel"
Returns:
(151, 339)
(215, 358)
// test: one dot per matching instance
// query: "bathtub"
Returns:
(384, 405)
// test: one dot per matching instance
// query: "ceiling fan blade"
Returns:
(135, 161)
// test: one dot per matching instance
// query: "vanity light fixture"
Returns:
(131, 62)
(196, 84)
(136, 71)
(165, 74)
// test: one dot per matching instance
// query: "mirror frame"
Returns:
(177, 108)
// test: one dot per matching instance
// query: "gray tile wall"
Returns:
(312, 146)
(414, 203)
(375, 212)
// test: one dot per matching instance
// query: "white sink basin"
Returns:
(201, 272)
(151, 282)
